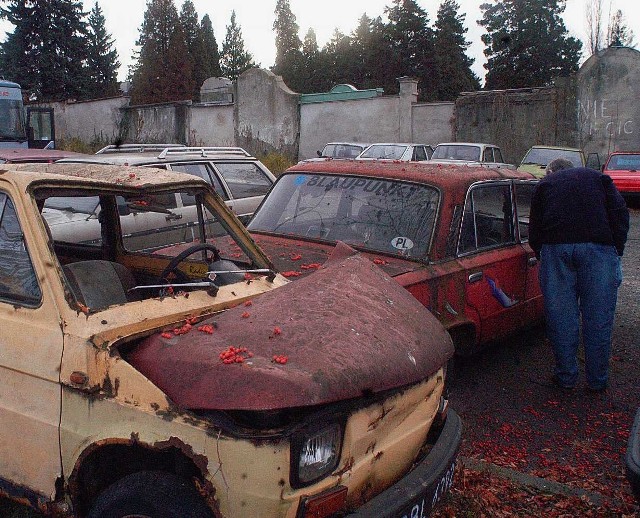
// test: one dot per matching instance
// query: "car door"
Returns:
(534, 309)
(494, 263)
(30, 358)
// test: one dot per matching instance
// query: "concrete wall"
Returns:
(432, 123)
(363, 120)
(211, 125)
(515, 120)
(266, 114)
(97, 120)
(166, 122)
(608, 107)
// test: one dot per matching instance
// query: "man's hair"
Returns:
(558, 164)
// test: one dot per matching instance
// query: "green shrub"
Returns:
(276, 162)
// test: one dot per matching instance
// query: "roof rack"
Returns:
(138, 148)
(203, 151)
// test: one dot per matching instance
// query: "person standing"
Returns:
(578, 228)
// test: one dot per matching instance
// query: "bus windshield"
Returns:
(12, 121)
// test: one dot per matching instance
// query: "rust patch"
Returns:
(374, 424)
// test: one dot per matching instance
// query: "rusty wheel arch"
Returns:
(106, 461)
(464, 337)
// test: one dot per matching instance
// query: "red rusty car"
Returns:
(454, 236)
(624, 169)
(21, 155)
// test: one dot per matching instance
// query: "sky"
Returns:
(255, 18)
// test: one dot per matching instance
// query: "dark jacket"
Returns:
(577, 206)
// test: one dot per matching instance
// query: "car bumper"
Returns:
(417, 492)
(632, 459)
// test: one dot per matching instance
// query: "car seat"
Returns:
(99, 284)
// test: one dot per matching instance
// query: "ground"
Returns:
(529, 448)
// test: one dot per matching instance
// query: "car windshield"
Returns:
(390, 151)
(389, 216)
(624, 163)
(11, 121)
(341, 150)
(456, 152)
(542, 156)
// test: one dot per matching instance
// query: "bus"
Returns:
(33, 128)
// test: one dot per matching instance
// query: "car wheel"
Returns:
(153, 494)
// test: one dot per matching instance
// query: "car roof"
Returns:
(439, 175)
(348, 144)
(465, 144)
(97, 175)
(559, 148)
(35, 155)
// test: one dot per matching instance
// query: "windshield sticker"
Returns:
(300, 179)
(379, 187)
(402, 243)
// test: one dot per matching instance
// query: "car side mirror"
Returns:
(319, 153)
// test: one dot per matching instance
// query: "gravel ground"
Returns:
(531, 449)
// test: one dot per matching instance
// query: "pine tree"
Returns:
(289, 59)
(46, 52)
(102, 58)
(527, 43)
(411, 42)
(619, 33)
(234, 59)
(452, 63)
(190, 26)
(163, 72)
(209, 61)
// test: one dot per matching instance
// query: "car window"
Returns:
(201, 170)
(624, 163)
(542, 156)
(244, 179)
(341, 151)
(420, 154)
(488, 218)
(384, 215)
(487, 155)
(391, 151)
(456, 152)
(18, 281)
(497, 155)
(524, 192)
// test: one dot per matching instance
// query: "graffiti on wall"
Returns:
(604, 118)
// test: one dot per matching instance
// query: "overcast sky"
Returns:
(255, 17)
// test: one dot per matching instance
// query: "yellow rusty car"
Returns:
(143, 377)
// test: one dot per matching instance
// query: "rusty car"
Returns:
(147, 373)
(456, 237)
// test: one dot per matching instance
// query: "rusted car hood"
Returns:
(348, 329)
(296, 258)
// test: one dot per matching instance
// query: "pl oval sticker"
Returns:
(402, 243)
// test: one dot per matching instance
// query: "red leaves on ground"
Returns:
(291, 273)
(166, 335)
(295, 257)
(248, 303)
(380, 261)
(206, 328)
(246, 314)
(310, 266)
(277, 331)
(280, 358)
(182, 330)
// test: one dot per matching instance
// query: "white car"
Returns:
(404, 152)
(469, 153)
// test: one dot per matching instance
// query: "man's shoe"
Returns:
(556, 381)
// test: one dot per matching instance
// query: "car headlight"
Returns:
(316, 454)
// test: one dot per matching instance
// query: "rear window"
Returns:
(456, 152)
(542, 156)
(624, 163)
(393, 152)
(244, 179)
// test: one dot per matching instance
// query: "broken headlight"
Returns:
(315, 454)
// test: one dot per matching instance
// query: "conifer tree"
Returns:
(46, 52)
(209, 60)
(527, 43)
(289, 59)
(411, 42)
(102, 58)
(452, 63)
(234, 59)
(161, 73)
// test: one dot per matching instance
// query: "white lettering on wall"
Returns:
(604, 118)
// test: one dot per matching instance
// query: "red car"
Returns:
(454, 236)
(624, 168)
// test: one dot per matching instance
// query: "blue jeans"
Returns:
(580, 279)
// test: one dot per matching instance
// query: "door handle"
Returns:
(475, 277)
(532, 261)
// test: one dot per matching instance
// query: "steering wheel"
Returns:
(172, 267)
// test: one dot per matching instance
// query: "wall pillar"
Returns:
(408, 97)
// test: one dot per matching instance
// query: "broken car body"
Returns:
(127, 366)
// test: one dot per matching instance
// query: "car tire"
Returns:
(155, 494)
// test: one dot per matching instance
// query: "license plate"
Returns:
(423, 503)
